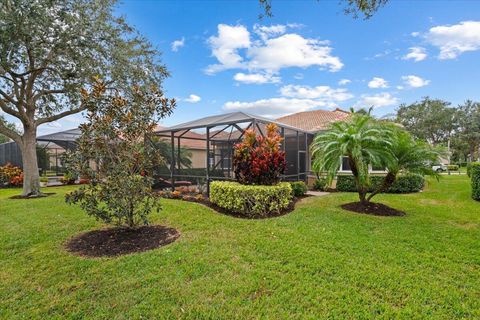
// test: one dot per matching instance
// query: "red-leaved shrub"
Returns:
(258, 159)
(11, 175)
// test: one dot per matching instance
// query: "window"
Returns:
(345, 166)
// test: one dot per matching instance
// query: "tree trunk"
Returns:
(31, 177)
(387, 183)
(362, 193)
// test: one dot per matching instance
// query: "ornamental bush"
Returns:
(10, 175)
(475, 176)
(452, 167)
(258, 159)
(251, 200)
(403, 184)
(299, 188)
(320, 184)
(469, 167)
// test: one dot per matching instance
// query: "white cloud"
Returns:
(193, 98)
(377, 82)
(294, 98)
(298, 76)
(177, 44)
(455, 39)
(343, 82)
(415, 34)
(416, 54)
(415, 81)
(275, 107)
(225, 47)
(324, 93)
(266, 32)
(256, 78)
(292, 50)
(274, 50)
(384, 99)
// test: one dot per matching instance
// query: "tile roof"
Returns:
(315, 120)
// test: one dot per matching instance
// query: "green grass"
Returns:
(317, 262)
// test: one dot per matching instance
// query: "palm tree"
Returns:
(409, 156)
(165, 149)
(363, 140)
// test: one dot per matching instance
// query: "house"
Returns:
(210, 141)
(218, 134)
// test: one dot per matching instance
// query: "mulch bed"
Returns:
(376, 209)
(120, 241)
(43, 195)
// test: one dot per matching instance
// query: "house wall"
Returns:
(199, 158)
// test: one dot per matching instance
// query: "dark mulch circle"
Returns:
(42, 195)
(376, 209)
(119, 241)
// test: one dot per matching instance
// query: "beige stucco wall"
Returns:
(198, 158)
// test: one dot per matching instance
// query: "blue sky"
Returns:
(223, 58)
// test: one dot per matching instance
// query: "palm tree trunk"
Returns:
(387, 183)
(362, 193)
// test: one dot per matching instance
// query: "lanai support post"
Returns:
(298, 157)
(172, 165)
(208, 162)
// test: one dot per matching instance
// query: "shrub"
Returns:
(403, 184)
(17, 181)
(452, 167)
(258, 159)
(469, 167)
(475, 176)
(299, 188)
(9, 172)
(251, 200)
(320, 184)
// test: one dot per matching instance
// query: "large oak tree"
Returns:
(49, 50)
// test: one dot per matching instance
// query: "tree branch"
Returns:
(59, 116)
(9, 110)
(10, 133)
(45, 92)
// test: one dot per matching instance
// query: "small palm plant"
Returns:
(409, 156)
(363, 140)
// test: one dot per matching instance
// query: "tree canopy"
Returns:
(356, 8)
(50, 50)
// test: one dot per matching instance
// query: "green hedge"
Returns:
(251, 200)
(475, 176)
(469, 167)
(404, 184)
(299, 188)
(452, 167)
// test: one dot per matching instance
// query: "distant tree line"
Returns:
(439, 123)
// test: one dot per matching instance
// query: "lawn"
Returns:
(316, 262)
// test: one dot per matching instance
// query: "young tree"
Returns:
(362, 139)
(119, 191)
(51, 49)
(408, 156)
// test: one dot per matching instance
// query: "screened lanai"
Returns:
(51, 145)
(214, 138)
